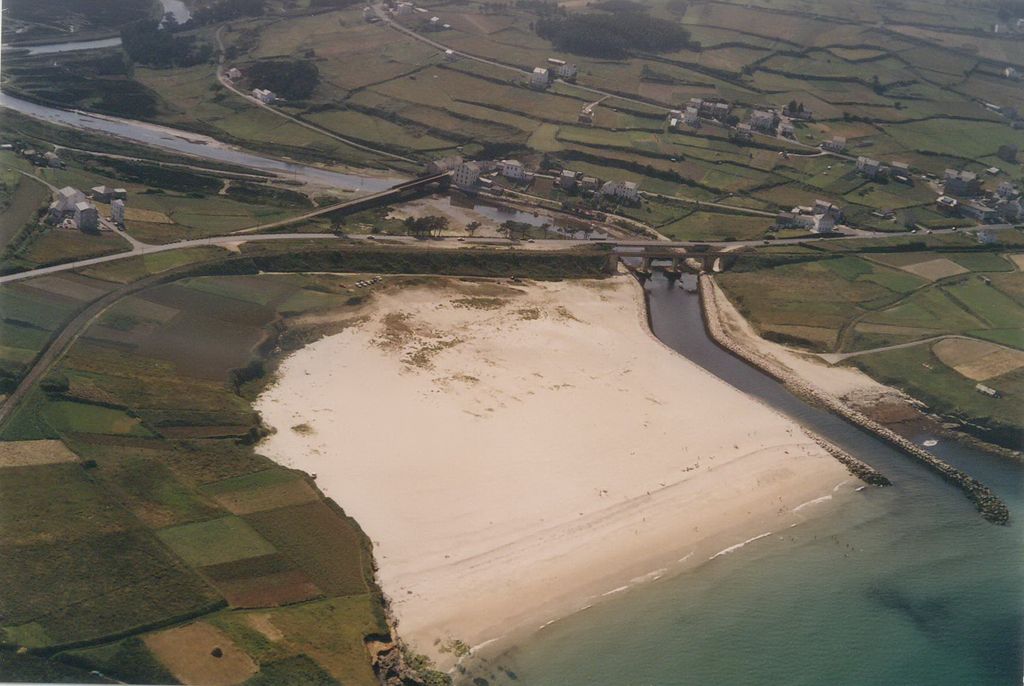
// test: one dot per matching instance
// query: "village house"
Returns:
(1011, 74)
(443, 164)
(787, 129)
(64, 205)
(450, 56)
(589, 183)
(567, 180)
(794, 220)
(764, 121)
(87, 217)
(466, 175)
(234, 73)
(988, 237)
(624, 190)
(562, 69)
(512, 169)
(836, 144)
(586, 116)
(1007, 191)
(973, 209)
(403, 9)
(52, 160)
(101, 193)
(744, 132)
(947, 205)
(691, 117)
(961, 183)
(263, 95)
(871, 168)
(539, 78)
(117, 212)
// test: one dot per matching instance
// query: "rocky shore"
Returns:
(989, 505)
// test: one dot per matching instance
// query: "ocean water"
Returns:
(901, 585)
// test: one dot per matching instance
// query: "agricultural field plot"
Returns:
(187, 653)
(978, 360)
(265, 490)
(920, 371)
(714, 226)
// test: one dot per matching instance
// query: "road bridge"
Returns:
(674, 260)
(397, 193)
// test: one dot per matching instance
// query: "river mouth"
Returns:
(905, 585)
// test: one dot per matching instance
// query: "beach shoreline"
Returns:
(517, 452)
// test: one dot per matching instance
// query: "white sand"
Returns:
(511, 469)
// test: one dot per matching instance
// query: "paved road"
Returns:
(226, 82)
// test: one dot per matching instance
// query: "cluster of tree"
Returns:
(614, 35)
(423, 227)
(542, 8)
(289, 79)
(619, 6)
(226, 10)
(333, 4)
(795, 106)
(145, 42)
(514, 230)
(1010, 9)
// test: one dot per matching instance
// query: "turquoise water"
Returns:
(903, 585)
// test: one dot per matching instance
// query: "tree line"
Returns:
(614, 36)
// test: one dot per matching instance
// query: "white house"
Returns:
(625, 190)
(1011, 73)
(263, 95)
(87, 217)
(234, 73)
(466, 175)
(64, 205)
(450, 55)
(117, 212)
(566, 71)
(512, 169)
(539, 78)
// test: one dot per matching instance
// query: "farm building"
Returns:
(691, 117)
(234, 73)
(52, 160)
(101, 193)
(450, 55)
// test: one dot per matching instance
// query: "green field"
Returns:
(863, 302)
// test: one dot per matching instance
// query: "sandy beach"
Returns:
(518, 451)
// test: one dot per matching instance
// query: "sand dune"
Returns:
(516, 452)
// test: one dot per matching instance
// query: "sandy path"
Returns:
(516, 453)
